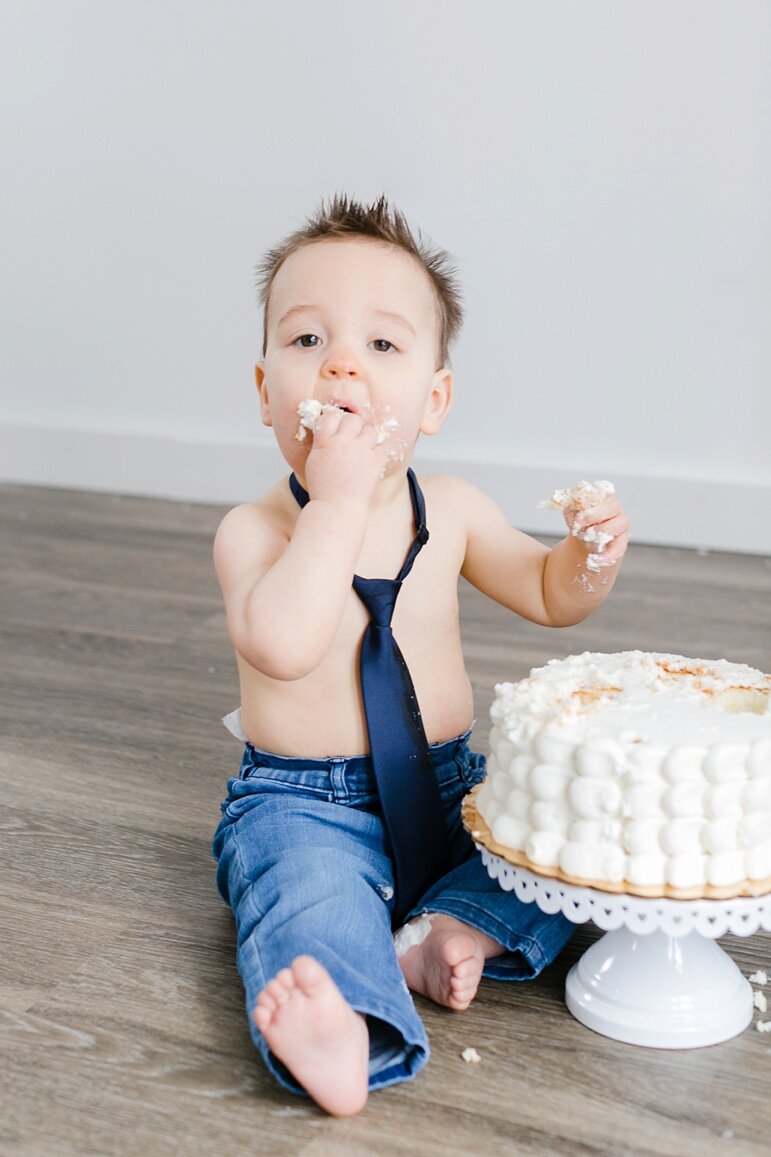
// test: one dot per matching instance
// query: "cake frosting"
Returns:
(311, 410)
(638, 772)
(582, 496)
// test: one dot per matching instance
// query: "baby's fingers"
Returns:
(616, 549)
(327, 426)
(337, 424)
(609, 539)
(615, 526)
(593, 515)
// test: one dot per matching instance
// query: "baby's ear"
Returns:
(438, 403)
(262, 390)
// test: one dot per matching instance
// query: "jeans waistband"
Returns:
(354, 765)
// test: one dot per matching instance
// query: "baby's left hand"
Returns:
(603, 529)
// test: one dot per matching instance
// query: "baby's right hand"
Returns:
(345, 462)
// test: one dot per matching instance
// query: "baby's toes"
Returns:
(286, 978)
(467, 969)
(310, 977)
(459, 1001)
(266, 1001)
(264, 1010)
(277, 991)
(262, 1016)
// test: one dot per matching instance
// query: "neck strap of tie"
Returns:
(418, 513)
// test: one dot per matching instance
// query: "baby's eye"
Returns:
(302, 338)
(383, 341)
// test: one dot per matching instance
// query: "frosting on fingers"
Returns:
(584, 496)
(579, 497)
(311, 410)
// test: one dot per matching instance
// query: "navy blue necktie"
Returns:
(404, 770)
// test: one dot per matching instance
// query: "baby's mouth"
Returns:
(311, 410)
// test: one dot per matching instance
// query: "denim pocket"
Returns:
(305, 784)
(262, 782)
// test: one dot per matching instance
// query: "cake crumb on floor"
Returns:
(471, 1056)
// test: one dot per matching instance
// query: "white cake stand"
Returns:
(657, 978)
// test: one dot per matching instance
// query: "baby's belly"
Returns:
(323, 715)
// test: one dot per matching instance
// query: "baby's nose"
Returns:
(341, 364)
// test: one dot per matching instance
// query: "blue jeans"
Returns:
(302, 860)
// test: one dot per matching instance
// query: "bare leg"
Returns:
(324, 1043)
(446, 965)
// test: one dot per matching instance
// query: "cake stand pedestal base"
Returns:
(660, 991)
(657, 978)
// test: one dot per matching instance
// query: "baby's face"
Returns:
(352, 322)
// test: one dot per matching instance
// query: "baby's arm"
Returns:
(284, 592)
(545, 586)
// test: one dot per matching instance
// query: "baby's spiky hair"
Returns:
(346, 217)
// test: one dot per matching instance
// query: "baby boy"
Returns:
(311, 848)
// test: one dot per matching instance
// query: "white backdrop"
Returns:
(600, 171)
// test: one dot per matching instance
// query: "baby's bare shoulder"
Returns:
(262, 518)
(251, 537)
(446, 494)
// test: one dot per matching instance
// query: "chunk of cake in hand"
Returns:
(573, 501)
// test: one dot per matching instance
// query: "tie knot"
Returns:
(379, 597)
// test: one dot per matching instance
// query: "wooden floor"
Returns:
(123, 1027)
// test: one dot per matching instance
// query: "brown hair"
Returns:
(345, 217)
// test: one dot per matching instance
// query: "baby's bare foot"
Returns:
(446, 966)
(311, 1027)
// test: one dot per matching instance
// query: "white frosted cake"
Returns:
(634, 772)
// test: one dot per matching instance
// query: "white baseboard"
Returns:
(709, 514)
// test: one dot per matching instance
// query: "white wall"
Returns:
(601, 172)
